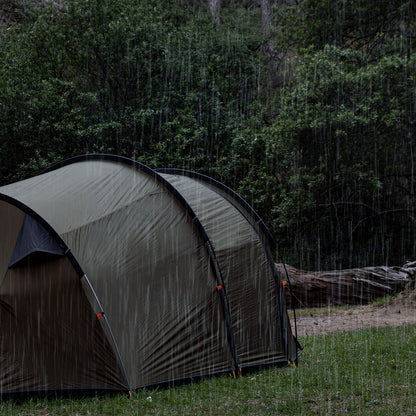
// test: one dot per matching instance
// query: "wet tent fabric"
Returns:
(147, 253)
(255, 266)
(251, 287)
(49, 334)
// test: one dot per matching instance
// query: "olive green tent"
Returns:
(116, 276)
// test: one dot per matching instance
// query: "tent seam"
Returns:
(200, 179)
(172, 191)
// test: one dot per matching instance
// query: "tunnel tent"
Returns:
(116, 276)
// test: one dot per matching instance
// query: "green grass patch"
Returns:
(365, 372)
(322, 311)
(382, 300)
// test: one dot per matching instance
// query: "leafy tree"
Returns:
(322, 144)
(356, 24)
(119, 76)
(341, 156)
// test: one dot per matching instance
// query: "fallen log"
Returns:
(343, 287)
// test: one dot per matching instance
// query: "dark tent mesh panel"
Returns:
(36, 242)
(11, 220)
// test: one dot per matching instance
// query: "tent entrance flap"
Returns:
(35, 243)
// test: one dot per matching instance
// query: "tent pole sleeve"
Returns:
(281, 306)
(224, 303)
(216, 184)
(111, 333)
(213, 184)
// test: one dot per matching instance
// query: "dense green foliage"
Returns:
(319, 136)
(140, 79)
(366, 372)
(356, 24)
(340, 156)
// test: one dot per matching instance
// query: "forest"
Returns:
(307, 108)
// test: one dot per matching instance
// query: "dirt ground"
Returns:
(401, 310)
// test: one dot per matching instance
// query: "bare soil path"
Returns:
(401, 310)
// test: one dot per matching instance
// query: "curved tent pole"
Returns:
(29, 211)
(103, 315)
(207, 179)
(221, 289)
(179, 198)
(282, 315)
(212, 183)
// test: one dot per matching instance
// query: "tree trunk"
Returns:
(344, 287)
(215, 9)
(266, 17)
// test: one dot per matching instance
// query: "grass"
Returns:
(383, 300)
(365, 372)
(330, 309)
(323, 310)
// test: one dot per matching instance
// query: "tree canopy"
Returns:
(311, 119)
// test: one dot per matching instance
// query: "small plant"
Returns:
(382, 300)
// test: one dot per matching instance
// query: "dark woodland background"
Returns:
(306, 108)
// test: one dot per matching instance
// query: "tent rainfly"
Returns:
(114, 276)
